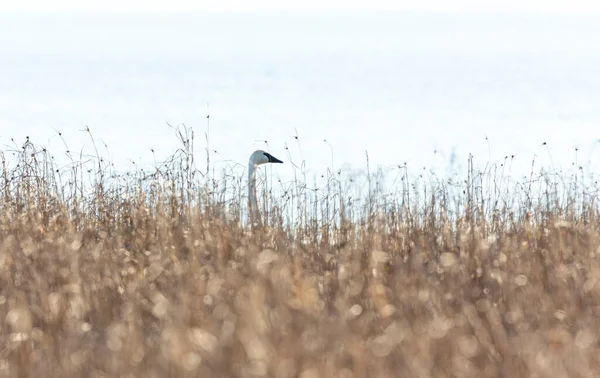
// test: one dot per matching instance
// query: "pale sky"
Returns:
(191, 5)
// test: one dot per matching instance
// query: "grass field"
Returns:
(156, 274)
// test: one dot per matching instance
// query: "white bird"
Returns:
(257, 158)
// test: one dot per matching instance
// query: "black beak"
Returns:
(272, 159)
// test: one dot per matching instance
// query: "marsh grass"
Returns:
(154, 272)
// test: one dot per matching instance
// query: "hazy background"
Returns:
(399, 85)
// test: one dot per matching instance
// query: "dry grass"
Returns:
(155, 275)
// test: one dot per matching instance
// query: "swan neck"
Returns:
(252, 201)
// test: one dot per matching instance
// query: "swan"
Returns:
(257, 158)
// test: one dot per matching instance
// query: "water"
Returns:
(425, 89)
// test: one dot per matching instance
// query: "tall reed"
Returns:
(156, 273)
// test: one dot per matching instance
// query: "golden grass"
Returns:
(137, 276)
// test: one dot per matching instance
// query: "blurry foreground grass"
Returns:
(155, 274)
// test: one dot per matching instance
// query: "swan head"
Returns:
(259, 157)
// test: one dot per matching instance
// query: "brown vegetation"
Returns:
(155, 275)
